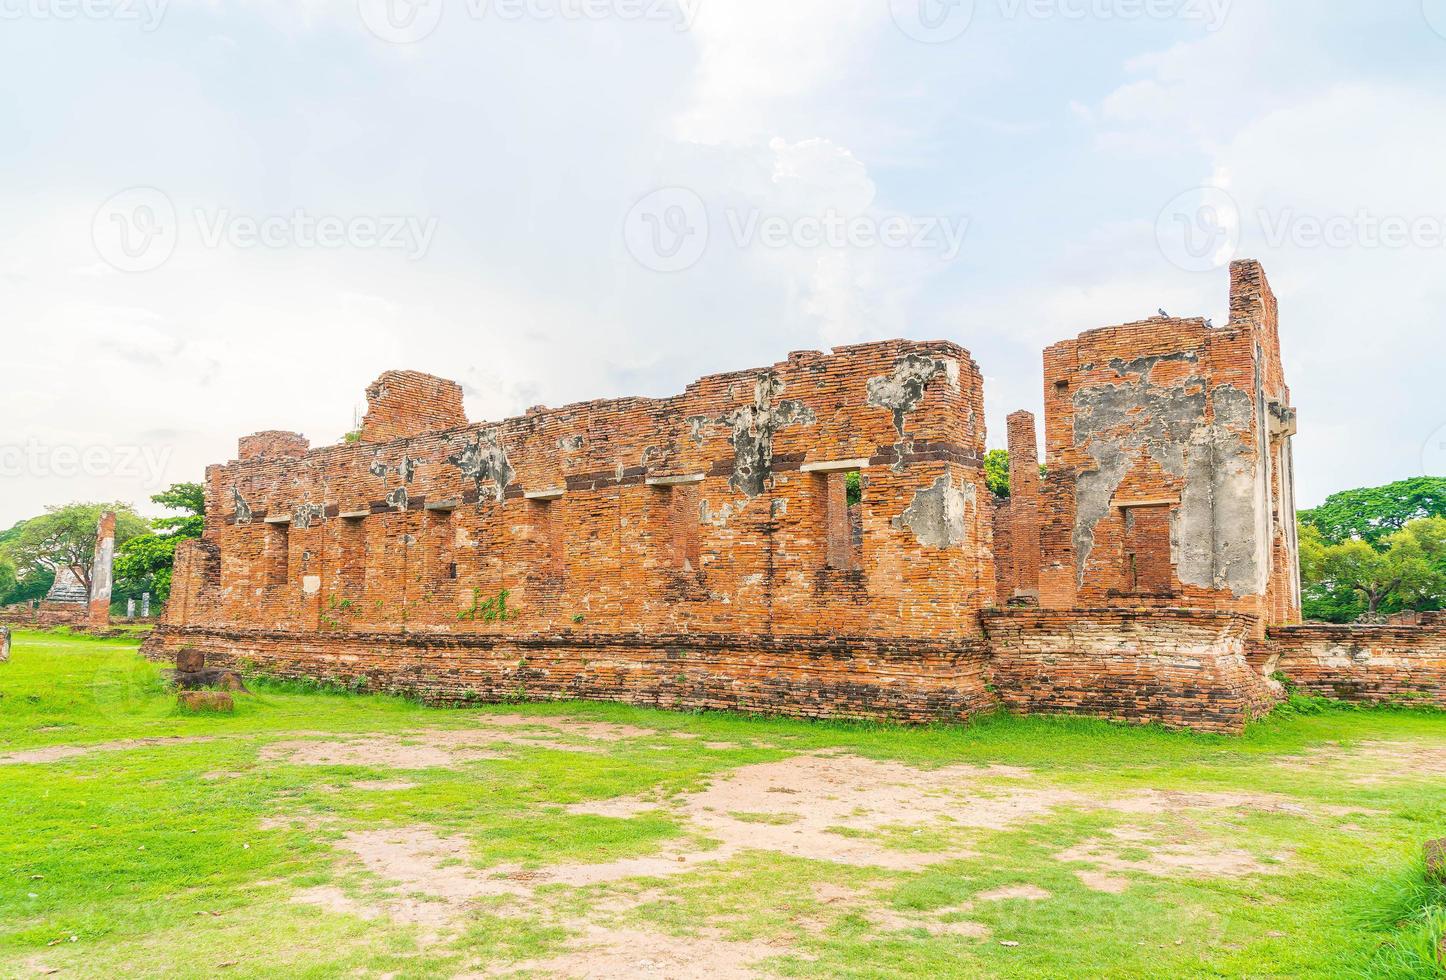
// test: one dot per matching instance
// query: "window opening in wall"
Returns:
(843, 519)
(1147, 550)
(683, 518)
(277, 554)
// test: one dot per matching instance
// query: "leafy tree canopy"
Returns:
(1349, 579)
(64, 537)
(1371, 514)
(996, 471)
(145, 563)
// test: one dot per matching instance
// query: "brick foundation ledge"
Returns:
(1368, 664)
(1181, 668)
(801, 676)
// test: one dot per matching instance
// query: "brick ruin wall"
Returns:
(716, 523)
(1368, 664)
(1170, 470)
(47, 615)
(1180, 668)
(705, 551)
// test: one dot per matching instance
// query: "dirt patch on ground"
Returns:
(55, 753)
(622, 954)
(1374, 763)
(1029, 893)
(833, 807)
(383, 751)
(1100, 882)
(1151, 802)
(383, 785)
(1131, 849)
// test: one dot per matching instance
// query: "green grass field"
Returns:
(318, 833)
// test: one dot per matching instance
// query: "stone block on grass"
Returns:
(189, 660)
(206, 702)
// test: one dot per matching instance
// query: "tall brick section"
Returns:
(101, 572)
(693, 550)
(404, 404)
(1024, 483)
(1170, 470)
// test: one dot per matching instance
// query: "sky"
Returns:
(224, 217)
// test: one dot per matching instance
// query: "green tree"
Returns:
(1344, 581)
(996, 471)
(146, 562)
(8, 579)
(1371, 514)
(64, 537)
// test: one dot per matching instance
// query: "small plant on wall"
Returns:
(336, 611)
(493, 610)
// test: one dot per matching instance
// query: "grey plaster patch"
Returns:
(306, 515)
(938, 515)
(753, 427)
(570, 443)
(397, 498)
(1214, 538)
(243, 509)
(485, 460)
(903, 389)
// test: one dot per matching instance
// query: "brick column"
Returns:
(100, 571)
(1024, 505)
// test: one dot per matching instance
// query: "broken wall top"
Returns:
(879, 401)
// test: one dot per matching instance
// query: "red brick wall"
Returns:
(353, 537)
(271, 445)
(1180, 668)
(402, 404)
(1364, 663)
(48, 615)
(1168, 448)
(816, 676)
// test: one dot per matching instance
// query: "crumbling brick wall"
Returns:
(718, 513)
(1176, 667)
(1369, 664)
(403, 404)
(1170, 471)
(46, 615)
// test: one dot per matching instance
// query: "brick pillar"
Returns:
(1024, 505)
(100, 571)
